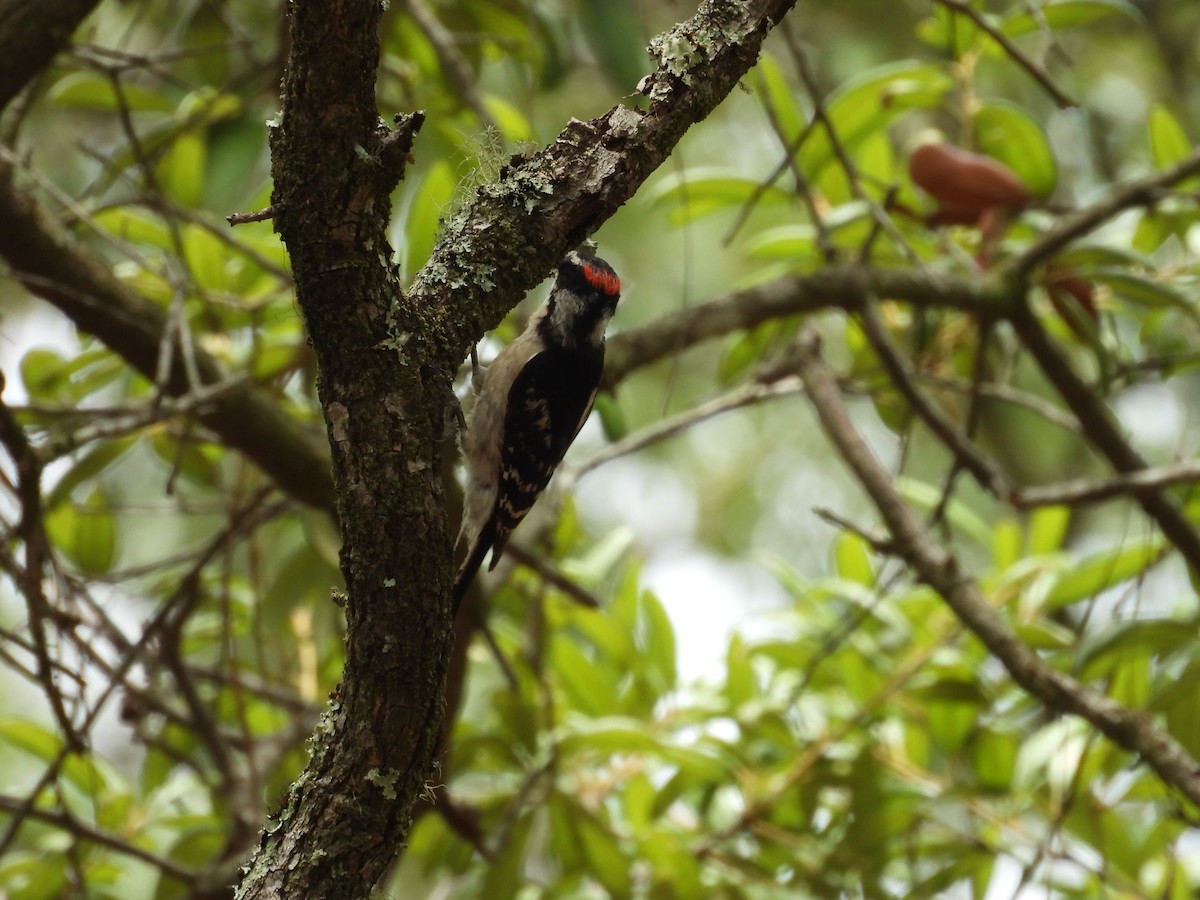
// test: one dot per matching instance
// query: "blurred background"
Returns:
(763, 706)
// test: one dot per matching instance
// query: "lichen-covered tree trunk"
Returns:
(385, 411)
(386, 361)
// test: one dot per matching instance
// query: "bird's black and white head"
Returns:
(582, 300)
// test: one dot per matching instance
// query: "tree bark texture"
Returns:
(34, 32)
(386, 362)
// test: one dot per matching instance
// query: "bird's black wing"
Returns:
(547, 405)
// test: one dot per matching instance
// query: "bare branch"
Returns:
(454, 66)
(32, 533)
(1142, 192)
(1105, 434)
(31, 33)
(833, 287)
(51, 264)
(1134, 731)
(966, 454)
(102, 838)
(652, 434)
(1015, 53)
(261, 215)
(1086, 490)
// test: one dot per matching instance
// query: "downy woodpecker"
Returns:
(535, 398)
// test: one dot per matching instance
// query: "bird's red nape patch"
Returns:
(604, 281)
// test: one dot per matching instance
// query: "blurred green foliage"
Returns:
(851, 741)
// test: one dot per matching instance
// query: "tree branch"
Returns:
(1086, 490)
(1141, 192)
(834, 287)
(509, 236)
(1015, 53)
(385, 375)
(31, 34)
(1131, 730)
(51, 264)
(1105, 434)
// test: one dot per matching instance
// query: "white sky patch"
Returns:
(1151, 414)
(31, 326)
(709, 600)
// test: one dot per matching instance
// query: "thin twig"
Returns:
(83, 831)
(879, 215)
(966, 454)
(1086, 490)
(244, 217)
(552, 576)
(1105, 434)
(33, 536)
(744, 396)
(452, 63)
(1019, 56)
(1142, 192)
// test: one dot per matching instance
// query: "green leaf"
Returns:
(1086, 257)
(852, 559)
(505, 873)
(42, 875)
(90, 90)
(1101, 571)
(1068, 14)
(1006, 543)
(589, 688)
(199, 463)
(675, 869)
(741, 685)
(1142, 291)
(585, 845)
(612, 417)
(1047, 529)
(31, 737)
(778, 95)
(659, 642)
(613, 29)
(138, 226)
(745, 349)
(699, 192)
(50, 376)
(1169, 143)
(304, 578)
(1007, 133)
(43, 372)
(927, 496)
(864, 106)
(512, 123)
(86, 468)
(952, 705)
(949, 31)
(611, 735)
(994, 757)
(1162, 637)
(181, 169)
(1178, 702)
(86, 533)
(208, 260)
(430, 202)
(796, 244)
(1045, 634)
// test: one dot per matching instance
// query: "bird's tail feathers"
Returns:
(470, 565)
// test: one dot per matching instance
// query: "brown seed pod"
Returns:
(964, 183)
